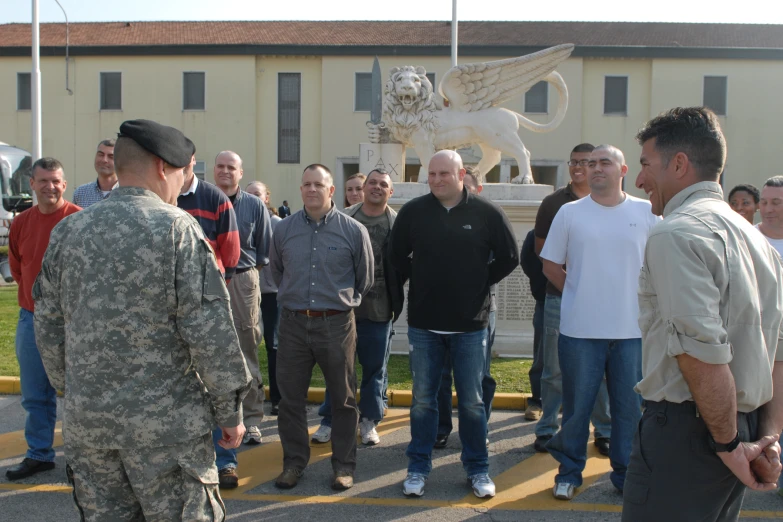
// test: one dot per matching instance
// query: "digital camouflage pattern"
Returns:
(147, 484)
(132, 320)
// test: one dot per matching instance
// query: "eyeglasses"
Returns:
(581, 163)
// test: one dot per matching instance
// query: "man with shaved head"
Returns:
(255, 232)
(442, 242)
(322, 262)
(601, 239)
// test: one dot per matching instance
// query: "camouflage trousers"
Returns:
(167, 483)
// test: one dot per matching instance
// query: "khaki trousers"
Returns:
(245, 292)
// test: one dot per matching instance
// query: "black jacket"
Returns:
(532, 267)
(395, 281)
(444, 253)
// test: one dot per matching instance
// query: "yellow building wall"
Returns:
(754, 111)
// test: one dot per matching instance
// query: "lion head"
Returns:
(408, 102)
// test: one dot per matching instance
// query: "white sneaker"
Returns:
(324, 434)
(252, 435)
(414, 485)
(482, 485)
(369, 435)
(563, 491)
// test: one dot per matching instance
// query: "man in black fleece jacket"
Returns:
(441, 242)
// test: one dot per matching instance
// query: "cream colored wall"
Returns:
(754, 112)
(283, 179)
(241, 111)
(151, 89)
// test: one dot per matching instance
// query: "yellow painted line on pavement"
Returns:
(36, 488)
(260, 465)
(359, 501)
(761, 514)
(10, 386)
(13, 444)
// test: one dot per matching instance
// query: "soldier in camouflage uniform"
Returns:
(133, 324)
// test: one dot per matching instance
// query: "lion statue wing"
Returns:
(474, 86)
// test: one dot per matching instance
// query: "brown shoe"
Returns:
(533, 412)
(342, 480)
(228, 478)
(288, 478)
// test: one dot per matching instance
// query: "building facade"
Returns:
(287, 94)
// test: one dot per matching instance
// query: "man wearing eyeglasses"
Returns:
(551, 378)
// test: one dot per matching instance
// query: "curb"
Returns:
(397, 398)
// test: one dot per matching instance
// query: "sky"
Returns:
(733, 11)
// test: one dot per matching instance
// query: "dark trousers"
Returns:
(270, 316)
(331, 343)
(674, 475)
(538, 358)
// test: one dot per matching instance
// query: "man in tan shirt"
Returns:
(710, 311)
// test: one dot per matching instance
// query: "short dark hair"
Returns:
(750, 189)
(694, 131)
(583, 147)
(107, 143)
(470, 171)
(50, 164)
(317, 166)
(774, 181)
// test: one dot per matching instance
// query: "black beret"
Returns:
(167, 143)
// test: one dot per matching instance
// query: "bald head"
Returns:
(445, 177)
(228, 172)
(610, 151)
(229, 155)
(448, 156)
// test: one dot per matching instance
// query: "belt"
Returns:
(319, 313)
(243, 270)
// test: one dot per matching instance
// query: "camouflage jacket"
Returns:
(132, 321)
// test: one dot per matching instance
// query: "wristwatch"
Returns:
(720, 448)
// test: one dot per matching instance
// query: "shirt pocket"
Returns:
(648, 301)
(339, 263)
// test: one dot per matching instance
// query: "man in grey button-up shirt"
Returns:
(323, 264)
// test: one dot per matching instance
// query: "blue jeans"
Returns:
(468, 354)
(488, 385)
(552, 380)
(585, 362)
(224, 458)
(39, 398)
(373, 345)
(538, 359)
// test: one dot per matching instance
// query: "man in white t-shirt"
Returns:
(771, 208)
(601, 238)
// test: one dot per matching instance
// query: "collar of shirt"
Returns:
(192, 189)
(466, 197)
(711, 189)
(327, 217)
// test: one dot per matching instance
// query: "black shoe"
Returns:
(274, 410)
(540, 444)
(27, 468)
(602, 444)
(441, 441)
(228, 478)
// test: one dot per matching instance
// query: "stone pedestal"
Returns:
(514, 330)
(387, 156)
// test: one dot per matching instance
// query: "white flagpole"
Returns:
(35, 85)
(453, 33)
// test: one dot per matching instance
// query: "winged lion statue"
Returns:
(471, 114)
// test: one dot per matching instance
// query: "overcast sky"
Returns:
(746, 11)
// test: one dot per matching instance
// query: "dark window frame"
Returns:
(24, 94)
(104, 103)
(614, 111)
(185, 106)
(546, 99)
(294, 139)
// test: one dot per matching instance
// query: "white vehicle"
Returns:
(15, 170)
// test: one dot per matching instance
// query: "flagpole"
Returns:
(35, 85)
(453, 33)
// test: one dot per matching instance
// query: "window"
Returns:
(616, 95)
(23, 96)
(200, 169)
(537, 98)
(431, 78)
(193, 91)
(111, 91)
(289, 109)
(363, 98)
(715, 93)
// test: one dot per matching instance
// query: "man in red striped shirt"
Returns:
(214, 212)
